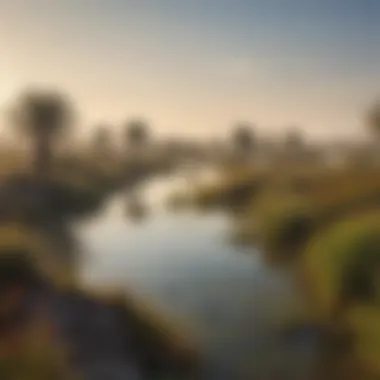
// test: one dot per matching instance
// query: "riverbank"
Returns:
(37, 217)
(323, 224)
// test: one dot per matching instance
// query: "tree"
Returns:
(101, 143)
(42, 116)
(243, 138)
(136, 133)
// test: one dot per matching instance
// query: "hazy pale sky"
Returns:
(196, 66)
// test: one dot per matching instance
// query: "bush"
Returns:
(32, 249)
(24, 199)
(340, 264)
(284, 226)
(71, 199)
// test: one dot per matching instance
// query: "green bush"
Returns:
(340, 267)
(284, 226)
(341, 263)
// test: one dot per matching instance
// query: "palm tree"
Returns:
(42, 116)
(137, 133)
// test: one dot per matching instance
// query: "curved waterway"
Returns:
(184, 262)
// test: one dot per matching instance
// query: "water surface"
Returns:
(184, 262)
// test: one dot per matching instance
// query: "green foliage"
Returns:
(31, 252)
(293, 200)
(345, 192)
(341, 264)
(334, 236)
(74, 199)
(42, 115)
(283, 227)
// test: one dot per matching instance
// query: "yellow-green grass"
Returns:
(16, 237)
(339, 259)
(321, 184)
(350, 190)
(340, 264)
(364, 322)
(280, 224)
(274, 211)
(339, 274)
(329, 195)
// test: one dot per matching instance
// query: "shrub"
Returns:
(32, 249)
(340, 264)
(284, 226)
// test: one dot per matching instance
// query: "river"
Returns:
(184, 262)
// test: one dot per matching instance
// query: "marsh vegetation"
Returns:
(302, 218)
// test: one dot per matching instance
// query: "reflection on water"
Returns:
(184, 262)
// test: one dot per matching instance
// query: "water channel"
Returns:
(184, 262)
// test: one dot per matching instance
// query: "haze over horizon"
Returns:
(195, 67)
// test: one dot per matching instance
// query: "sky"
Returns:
(195, 67)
